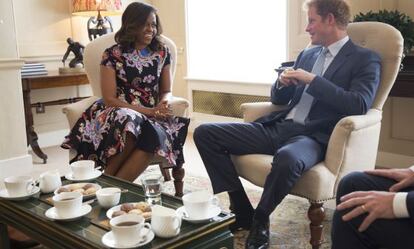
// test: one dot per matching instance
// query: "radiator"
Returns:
(222, 104)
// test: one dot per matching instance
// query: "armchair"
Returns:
(354, 141)
(92, 57)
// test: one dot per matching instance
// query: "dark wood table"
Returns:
(29, 217)
(51, 80)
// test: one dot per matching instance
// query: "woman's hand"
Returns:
(162, 111)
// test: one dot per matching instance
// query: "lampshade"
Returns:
(90, 7)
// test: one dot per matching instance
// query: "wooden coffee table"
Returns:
(29, 217)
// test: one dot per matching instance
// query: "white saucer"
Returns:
(52, 214)
(96, 173)
(108, 240)
(213, 212)
(5, 195)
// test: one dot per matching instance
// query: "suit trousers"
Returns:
(382, 233)
(293, 152)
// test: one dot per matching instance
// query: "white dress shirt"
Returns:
(399, 204)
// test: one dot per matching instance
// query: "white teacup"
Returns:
(19, 185)
(82, 169)
(165, 222)
(108, 197)
(128, 229)
(67, 204)
(49, 181)
(198, 204)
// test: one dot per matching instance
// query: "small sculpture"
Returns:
(76, 64)
(77, 49)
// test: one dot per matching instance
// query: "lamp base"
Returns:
(69, 70)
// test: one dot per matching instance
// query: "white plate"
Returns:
(96, 173)
(117, 208)
(52, 214)
(213, 212)
(5, 195)
(85, 197)
(108, 240)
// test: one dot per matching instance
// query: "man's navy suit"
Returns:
(347, 87)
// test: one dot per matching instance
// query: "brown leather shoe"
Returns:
(23, 244)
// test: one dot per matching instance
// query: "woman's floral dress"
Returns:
(101, 131)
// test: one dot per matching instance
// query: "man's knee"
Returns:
(351, 182)
(288, 163)
(201, 132)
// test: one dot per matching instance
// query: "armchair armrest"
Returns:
(179, 106)
(74, 111)
(253, 111)
(353, 144)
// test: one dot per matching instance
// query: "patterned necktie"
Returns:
(305, 102)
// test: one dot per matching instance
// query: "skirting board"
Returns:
(21, 165)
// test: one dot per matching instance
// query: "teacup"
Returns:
(19, 185)
(108, 197)
(82, 169)
(49, 181)
(165, 222)
(128, 229)
(67, 204)
(198, 204)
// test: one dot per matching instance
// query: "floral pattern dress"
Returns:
(101, 131)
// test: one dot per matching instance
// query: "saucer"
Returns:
(5, 195)
(52, 214)
(96, 173)
(213, 212)
(108, 240)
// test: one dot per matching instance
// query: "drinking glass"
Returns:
(152, 184)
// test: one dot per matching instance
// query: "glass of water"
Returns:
(152, 184)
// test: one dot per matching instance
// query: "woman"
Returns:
(132, 121)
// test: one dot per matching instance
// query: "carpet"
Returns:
(289, 225)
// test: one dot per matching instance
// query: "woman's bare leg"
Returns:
(135, 164)
(114, 163)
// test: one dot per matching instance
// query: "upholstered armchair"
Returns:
(354, 142)
(92, 57)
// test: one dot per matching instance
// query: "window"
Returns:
(236, 40)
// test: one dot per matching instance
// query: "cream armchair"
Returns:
(354, 141)
(92, 57)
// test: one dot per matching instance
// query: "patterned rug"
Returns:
(289, 226)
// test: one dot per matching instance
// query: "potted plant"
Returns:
(399, 20)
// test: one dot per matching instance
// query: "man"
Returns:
(328, 82)
(372, 213)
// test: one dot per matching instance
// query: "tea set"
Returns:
(128, 230)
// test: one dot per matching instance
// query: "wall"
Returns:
(42, 27)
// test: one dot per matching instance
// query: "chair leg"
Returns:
(316, 215)
(165, 172)
(178, 175)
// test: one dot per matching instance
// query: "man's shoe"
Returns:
(259, 236)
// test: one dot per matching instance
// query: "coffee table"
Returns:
(29, 217)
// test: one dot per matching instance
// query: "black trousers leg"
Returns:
(216, 141)
(291, 160)
(382, 233)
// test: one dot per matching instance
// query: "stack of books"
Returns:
(30, 69)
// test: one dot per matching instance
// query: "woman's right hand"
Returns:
(162, 111)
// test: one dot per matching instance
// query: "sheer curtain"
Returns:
(236, 40)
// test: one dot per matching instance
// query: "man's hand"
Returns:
(286, 81)
(378, 205)
(298, 75)
(404, 177)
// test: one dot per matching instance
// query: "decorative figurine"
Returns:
(76, 64)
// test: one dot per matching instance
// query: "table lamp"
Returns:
(98, 10)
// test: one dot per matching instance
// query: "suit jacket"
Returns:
(410, 205)
(347, 87)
